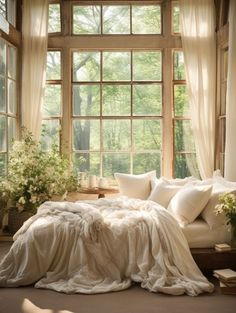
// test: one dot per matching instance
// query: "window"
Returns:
(54, 18)
(8, 104)
(222, 113)
(52, 107)
(118, 104)
(8, 11)
(116, 19)
(117, 108)
(185, 158)
(175, 18)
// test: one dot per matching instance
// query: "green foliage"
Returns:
(227, 206)
(34, 175)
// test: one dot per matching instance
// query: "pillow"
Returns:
(163, 191)
(208, 214)
(135, 186)
(188, 203)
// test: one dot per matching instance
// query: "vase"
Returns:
(16, 219)
(233, 236)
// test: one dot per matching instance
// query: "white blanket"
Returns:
(100, 246)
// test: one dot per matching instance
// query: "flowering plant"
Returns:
(227, 206)
(34, 175)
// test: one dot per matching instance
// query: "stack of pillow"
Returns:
(186, 199)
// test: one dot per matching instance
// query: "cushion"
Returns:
(208, 214)
(188, 203)
(163, 191)
(135, 186)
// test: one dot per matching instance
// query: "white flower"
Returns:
(21, 200)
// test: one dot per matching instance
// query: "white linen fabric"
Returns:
(199, 48)
(34, 41)
(163, 191)
(135, 186)
(102, 245)
(189, 202)
(200, 235)
(230, 147)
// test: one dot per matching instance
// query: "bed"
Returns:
(101, 246)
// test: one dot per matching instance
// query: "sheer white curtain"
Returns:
(34, 39)
(199, 48)
(230, 147)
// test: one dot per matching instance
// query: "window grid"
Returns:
(184, 150)
(8, 112)
(131, 151)
(51, 122)
(156, 4)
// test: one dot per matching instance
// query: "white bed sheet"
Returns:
(199, 234)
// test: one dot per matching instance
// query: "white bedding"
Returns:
(200, 235)
(100, 246)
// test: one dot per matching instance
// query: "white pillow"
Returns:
(208, 214)
(135, 186)
(163, 191)
(188, 203)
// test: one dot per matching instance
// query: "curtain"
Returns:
(230, 140)
(199, 48)
(34, 42)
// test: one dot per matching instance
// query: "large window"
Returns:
(122, 103)
(117, 108)
(8, 101)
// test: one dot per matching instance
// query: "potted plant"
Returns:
(227, 206)
(34, 176)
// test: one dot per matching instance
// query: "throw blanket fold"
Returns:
(102, 245)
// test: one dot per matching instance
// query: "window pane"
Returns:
(86, 19)
(11, 12)
(186, 165)
(147, 134)
(179, 72)
(2, 94)
(11, 96)
(184, 136)
(147, 65)
(181, 100)
(116, 135)
(86, 100)
(3, 8)
(11, 130)
(12, 62)
(86, 134)
(144, 162)
(52, 101)
(113, 163)
(116, 66)
(86, 66)
(50, 133)
(54, 18)
(146, 19)
(2, 58)
(3, 134)
(91, 163)
(176, 19)
(116, 19)
(147, 99)
(3, 162)
(53, 65)
(116, 100)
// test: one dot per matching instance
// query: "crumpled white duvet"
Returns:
(102, 245)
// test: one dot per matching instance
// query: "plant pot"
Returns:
(16, 219)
